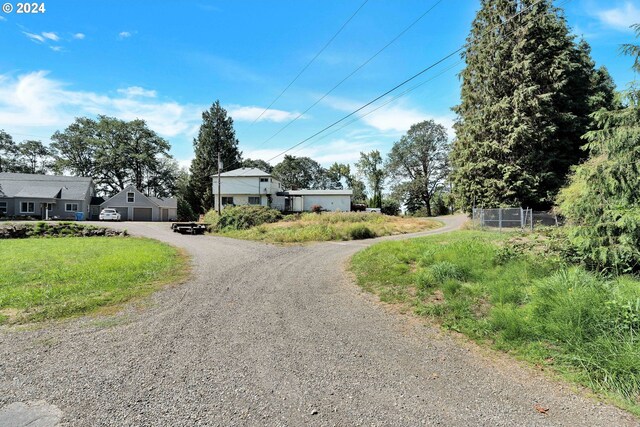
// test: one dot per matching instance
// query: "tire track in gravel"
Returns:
(274, 335)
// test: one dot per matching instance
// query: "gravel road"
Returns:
(278, 336)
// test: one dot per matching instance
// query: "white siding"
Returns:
(245, 185)
(328, 202)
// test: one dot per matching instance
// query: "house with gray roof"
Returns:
(135, 206)
(45, 196)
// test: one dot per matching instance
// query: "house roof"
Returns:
(317, 193)
(250, 172)
(170, 202)
(43, 186)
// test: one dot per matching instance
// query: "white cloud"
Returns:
(50, 36)
(620, 18)
(79, 36)
(395, 117)
(34, 37)
(184, 163)
(325, 153)
(56, 48)
(135, 91)
(251, 113)
(35, 101)
(2, 18)
(124, 34)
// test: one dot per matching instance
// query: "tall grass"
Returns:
(585, 326)
(53, 278)
(312, 227)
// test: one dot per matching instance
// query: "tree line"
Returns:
(114, 153)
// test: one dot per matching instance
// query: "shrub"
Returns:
(211, 218)
(316, 209)
(390, 207)
(360, 231)
(245, 217)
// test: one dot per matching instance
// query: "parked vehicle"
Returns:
(109, 214)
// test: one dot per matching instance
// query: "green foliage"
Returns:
(370, 165)
(212, 218)
(602, 202)
(300, 172)
(361, 231)
(580, 323)
(245, 217)
(390, 207)
(216, 135)
(258, 164)
(116, 153)
(527, 92)
(419, 162)
(53, 278)
(310, 227)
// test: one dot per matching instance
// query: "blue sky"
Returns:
(166, 61)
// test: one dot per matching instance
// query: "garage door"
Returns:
(142, 214)
(124, 213)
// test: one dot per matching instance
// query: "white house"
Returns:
(250, 186)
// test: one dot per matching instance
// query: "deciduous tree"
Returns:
(418, 162)
(371, 166)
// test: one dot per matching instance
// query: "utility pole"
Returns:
(219, 195)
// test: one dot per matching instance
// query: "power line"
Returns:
(353, 72)
(399, 85)
(310, 62)
(411, 89)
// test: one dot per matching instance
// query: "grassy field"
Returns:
(311, 227)
(60, 277)
(585, 327)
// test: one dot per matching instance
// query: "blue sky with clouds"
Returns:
(166, 61)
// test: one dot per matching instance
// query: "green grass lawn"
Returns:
(311, 227)
(583, 326)
(60, 277)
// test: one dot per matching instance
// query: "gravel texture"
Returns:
(278, 336)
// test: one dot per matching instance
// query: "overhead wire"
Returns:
(310, 62)
(353, 72)
(400, 84)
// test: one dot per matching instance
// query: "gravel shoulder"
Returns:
(274, 335)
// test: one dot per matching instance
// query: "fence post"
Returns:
(531, 213)
(500, 218)
(522, 219)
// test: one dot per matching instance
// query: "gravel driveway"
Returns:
(278, 336)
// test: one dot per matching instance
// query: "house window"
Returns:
(254, 200)
(27, 207)
(227, 201)
(131, 197)
(71, 207)
(264, 179)
(3, 208)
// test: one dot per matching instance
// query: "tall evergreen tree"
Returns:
(216, 135)
(527, 92)
(602, 203)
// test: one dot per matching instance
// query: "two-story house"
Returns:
(251, 186)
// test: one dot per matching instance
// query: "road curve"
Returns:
(278, 336)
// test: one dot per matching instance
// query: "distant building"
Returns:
(251, 186)
(45, 196)
(132, 205)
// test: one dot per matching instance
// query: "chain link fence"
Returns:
(513, 218)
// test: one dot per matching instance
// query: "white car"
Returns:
(109, 215)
